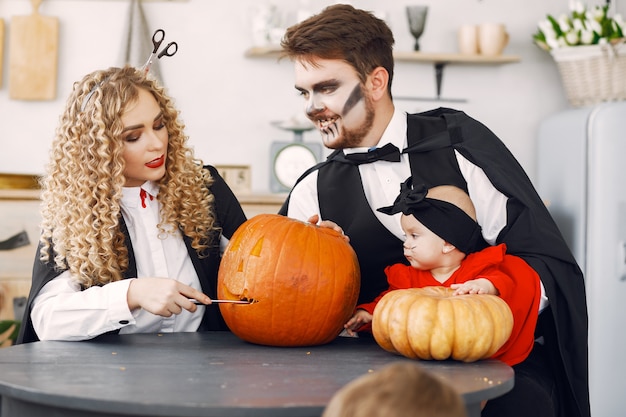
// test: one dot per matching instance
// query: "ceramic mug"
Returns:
(492, 38)
(468, 39)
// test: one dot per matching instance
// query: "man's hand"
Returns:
(315, 219)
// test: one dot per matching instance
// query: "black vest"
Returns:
(342, 199)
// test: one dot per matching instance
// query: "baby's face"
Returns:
(422, 248)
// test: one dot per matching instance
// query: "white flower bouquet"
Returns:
(589, 49)
(582, 26)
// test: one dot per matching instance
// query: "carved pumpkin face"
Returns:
(303, 281)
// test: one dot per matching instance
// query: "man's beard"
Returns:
(352, 138)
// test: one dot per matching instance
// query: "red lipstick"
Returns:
(156, 163)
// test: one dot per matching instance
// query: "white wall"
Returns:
(228, 101)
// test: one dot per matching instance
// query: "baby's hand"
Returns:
(358, 320)
(475, 286)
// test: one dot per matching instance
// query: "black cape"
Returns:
(531, 234)
(229, 216)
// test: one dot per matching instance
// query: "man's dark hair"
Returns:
(343, 32)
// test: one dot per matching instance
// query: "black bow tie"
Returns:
(389, 152)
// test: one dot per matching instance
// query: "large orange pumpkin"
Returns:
(431, 323)
(303, 281)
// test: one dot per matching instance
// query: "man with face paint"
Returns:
(344, 116)
(344, 70)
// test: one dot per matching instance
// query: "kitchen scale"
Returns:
(289, 160)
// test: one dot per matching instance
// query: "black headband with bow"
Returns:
(444, 219)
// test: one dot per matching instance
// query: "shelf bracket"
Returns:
(439, 67)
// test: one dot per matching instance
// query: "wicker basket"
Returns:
(593, 73)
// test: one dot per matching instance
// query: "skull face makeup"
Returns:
(336, 101)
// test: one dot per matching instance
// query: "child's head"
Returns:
(437, 222)
(401, 389)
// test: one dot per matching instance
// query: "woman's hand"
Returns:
(163, 296)
(315, 219)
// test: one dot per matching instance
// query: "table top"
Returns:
(211, 374)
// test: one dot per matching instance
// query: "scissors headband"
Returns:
(157, 39)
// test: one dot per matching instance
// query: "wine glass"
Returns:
(417, 21)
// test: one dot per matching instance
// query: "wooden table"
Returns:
(205, 374)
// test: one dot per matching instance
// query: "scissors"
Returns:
(157, 39)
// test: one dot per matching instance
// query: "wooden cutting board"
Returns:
(33, 55)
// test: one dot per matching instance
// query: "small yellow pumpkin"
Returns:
(431, 323)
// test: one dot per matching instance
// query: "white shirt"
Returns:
(381, 183)
(61, 311)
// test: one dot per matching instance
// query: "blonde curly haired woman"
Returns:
(132, 222)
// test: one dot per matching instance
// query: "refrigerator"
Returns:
(582, 179)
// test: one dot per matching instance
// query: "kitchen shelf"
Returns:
(451, 58)
(263, 52)
(438, 60)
